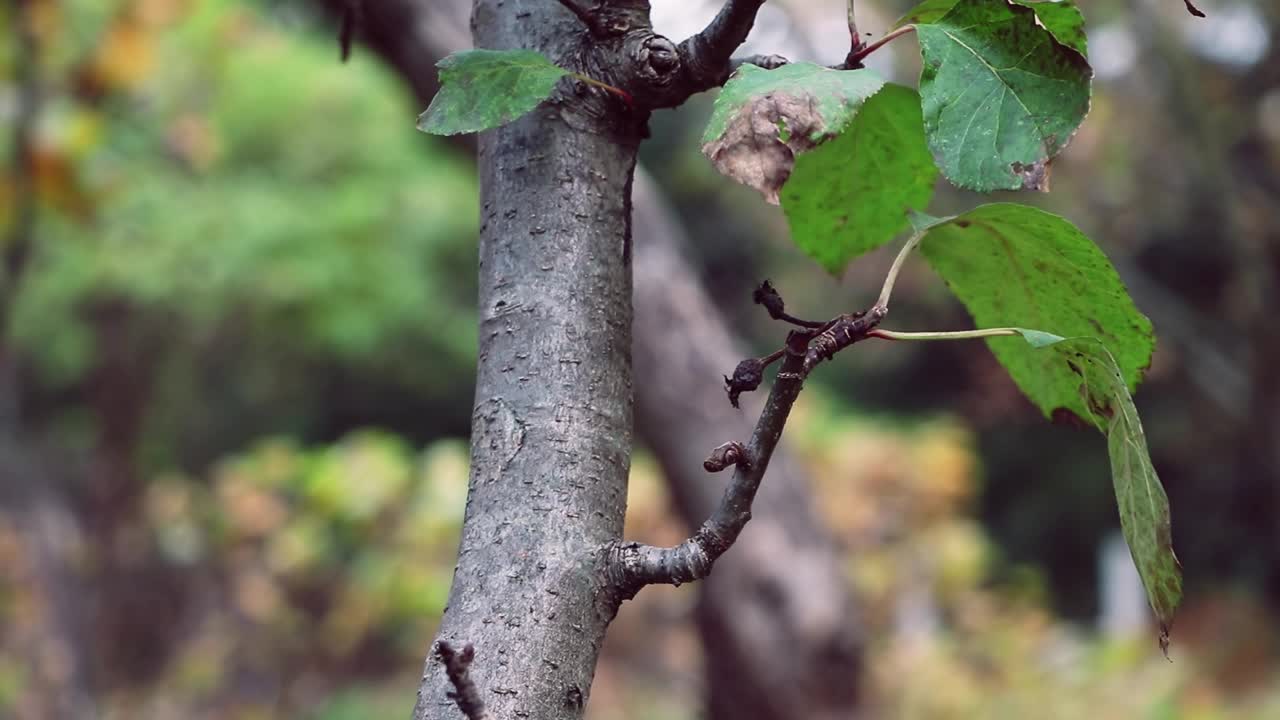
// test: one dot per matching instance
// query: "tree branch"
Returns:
(457, 665)
(636, 565)
(706, 55)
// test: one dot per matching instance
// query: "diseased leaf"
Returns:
(1140, 498)
(851, 194)
(1017, 266)
(482, 89)
(1001, 96)
(1060, 17)
(764, 118)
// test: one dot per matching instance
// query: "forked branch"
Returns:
(706, 55)
(635, 565)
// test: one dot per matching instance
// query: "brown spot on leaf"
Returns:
(752, 149)
(1034, 176)
(1063, 416)
(1099, 406)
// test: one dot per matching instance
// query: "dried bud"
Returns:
(767, 296)
(730, 453)
(746, 377)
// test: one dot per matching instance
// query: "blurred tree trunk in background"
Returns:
(783, 585)
(38, 531)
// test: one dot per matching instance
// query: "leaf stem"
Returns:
(626, 96)
(868, 49)
(952, 335)
(892, 277)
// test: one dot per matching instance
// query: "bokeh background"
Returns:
(237, 337)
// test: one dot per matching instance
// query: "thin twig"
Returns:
(856, 58)
(457, 665)
(635, 565)
(768, 296)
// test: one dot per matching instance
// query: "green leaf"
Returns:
(763, 119)
(1064, 19)
(482, 89)
(1060, 17)
(1001, 96)
(1140, 498)
(851, 194)
(1017, 266)
(929, 11)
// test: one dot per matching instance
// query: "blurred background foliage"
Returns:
(244, 341)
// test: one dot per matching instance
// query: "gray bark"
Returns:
(551, 426)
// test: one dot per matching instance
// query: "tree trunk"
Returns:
(786, 589)
(551, 425)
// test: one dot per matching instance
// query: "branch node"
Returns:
(844, 331)
(730, 453)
